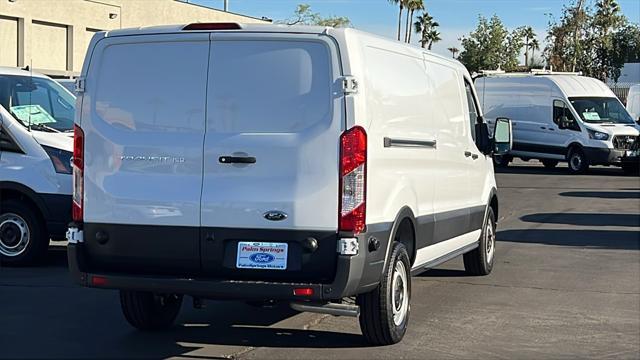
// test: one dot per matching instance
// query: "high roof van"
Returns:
(265, 162)
(559, 117)
(633, 102)
(36, 138)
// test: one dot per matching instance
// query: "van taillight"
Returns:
(212, 26)
(353, 162)
(78, 174)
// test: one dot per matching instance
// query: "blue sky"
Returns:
(456, 17)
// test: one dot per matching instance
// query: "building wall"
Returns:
(53, 35)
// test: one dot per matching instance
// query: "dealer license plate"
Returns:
(262, 255)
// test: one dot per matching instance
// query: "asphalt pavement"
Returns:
(566, 284)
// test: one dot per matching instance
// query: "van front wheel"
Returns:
(23, 235)
(384, 312)
(480, 261)
(578, 163)
(149, 311)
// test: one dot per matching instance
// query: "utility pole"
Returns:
(226, 5)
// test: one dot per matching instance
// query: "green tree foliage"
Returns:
(303, 15)
(596, 41)
(490, 46)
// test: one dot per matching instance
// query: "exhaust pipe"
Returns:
(329, 308)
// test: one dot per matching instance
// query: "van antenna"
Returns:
(30, 91)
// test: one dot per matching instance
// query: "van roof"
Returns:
(14, 71)
(275, 28)
(571, 85)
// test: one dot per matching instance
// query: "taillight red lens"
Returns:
(303, 292)
(78, 174)
(353, 161)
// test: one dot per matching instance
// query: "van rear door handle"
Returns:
(237, 159)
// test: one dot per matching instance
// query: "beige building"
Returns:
(52, 35)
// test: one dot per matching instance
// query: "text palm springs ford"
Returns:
(264, 162)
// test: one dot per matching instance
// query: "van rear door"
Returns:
(143, 116)
(274, 118)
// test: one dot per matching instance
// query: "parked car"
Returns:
(298, 164)
(633, 102)
(559, 117)
(36, 138)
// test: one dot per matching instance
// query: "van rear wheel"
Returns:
(501, 161)
(384, 312)
(149, 311)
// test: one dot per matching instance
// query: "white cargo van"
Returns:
(559, 117)
(36, 138)
(265, 162)
(633, 102)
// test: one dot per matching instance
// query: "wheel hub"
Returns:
(490, 242)
(400, 293)
(14, 235)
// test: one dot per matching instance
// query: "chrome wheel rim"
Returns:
(490, 241)
(399, 293)
(14, 235)
(576, 161)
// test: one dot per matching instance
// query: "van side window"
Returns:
(7, 143)
(560, 109)
(473, 109)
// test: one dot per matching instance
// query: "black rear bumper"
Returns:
(354, 275)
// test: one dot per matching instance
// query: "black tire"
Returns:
(23, 233)
(377, 319)
(148, 311)
(501, 161)
(479, 262)
(578, 162)
(549, 164)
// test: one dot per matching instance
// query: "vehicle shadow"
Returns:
(445, 273)
(598, 239)
(603, 194)
(541, 170)
(584, 219)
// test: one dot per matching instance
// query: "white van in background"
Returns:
(299, 164)
(633, 102)
(559, 117)
(36, 138)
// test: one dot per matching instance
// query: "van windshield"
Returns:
(601, 110)
(40, 103)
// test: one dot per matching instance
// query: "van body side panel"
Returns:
(143, 121)
(401, 138)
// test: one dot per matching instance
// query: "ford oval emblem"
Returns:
(275, 215)
(262, 258)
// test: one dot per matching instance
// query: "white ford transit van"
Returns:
(36, 138)
(633, 102)
(559, 117)
(265, 162)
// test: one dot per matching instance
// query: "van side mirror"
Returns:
(502, 136)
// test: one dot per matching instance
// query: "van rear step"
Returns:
(328, 308)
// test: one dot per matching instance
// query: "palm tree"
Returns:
(401, 4)
(426, 27)
(529, 36)
(454, 51)
(433, 36)
(412, 5)
(533, 45)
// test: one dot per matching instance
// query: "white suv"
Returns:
(36, 138)
(298, 164)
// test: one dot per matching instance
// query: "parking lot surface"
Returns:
(565, 285)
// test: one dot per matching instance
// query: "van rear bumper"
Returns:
(350, 280)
